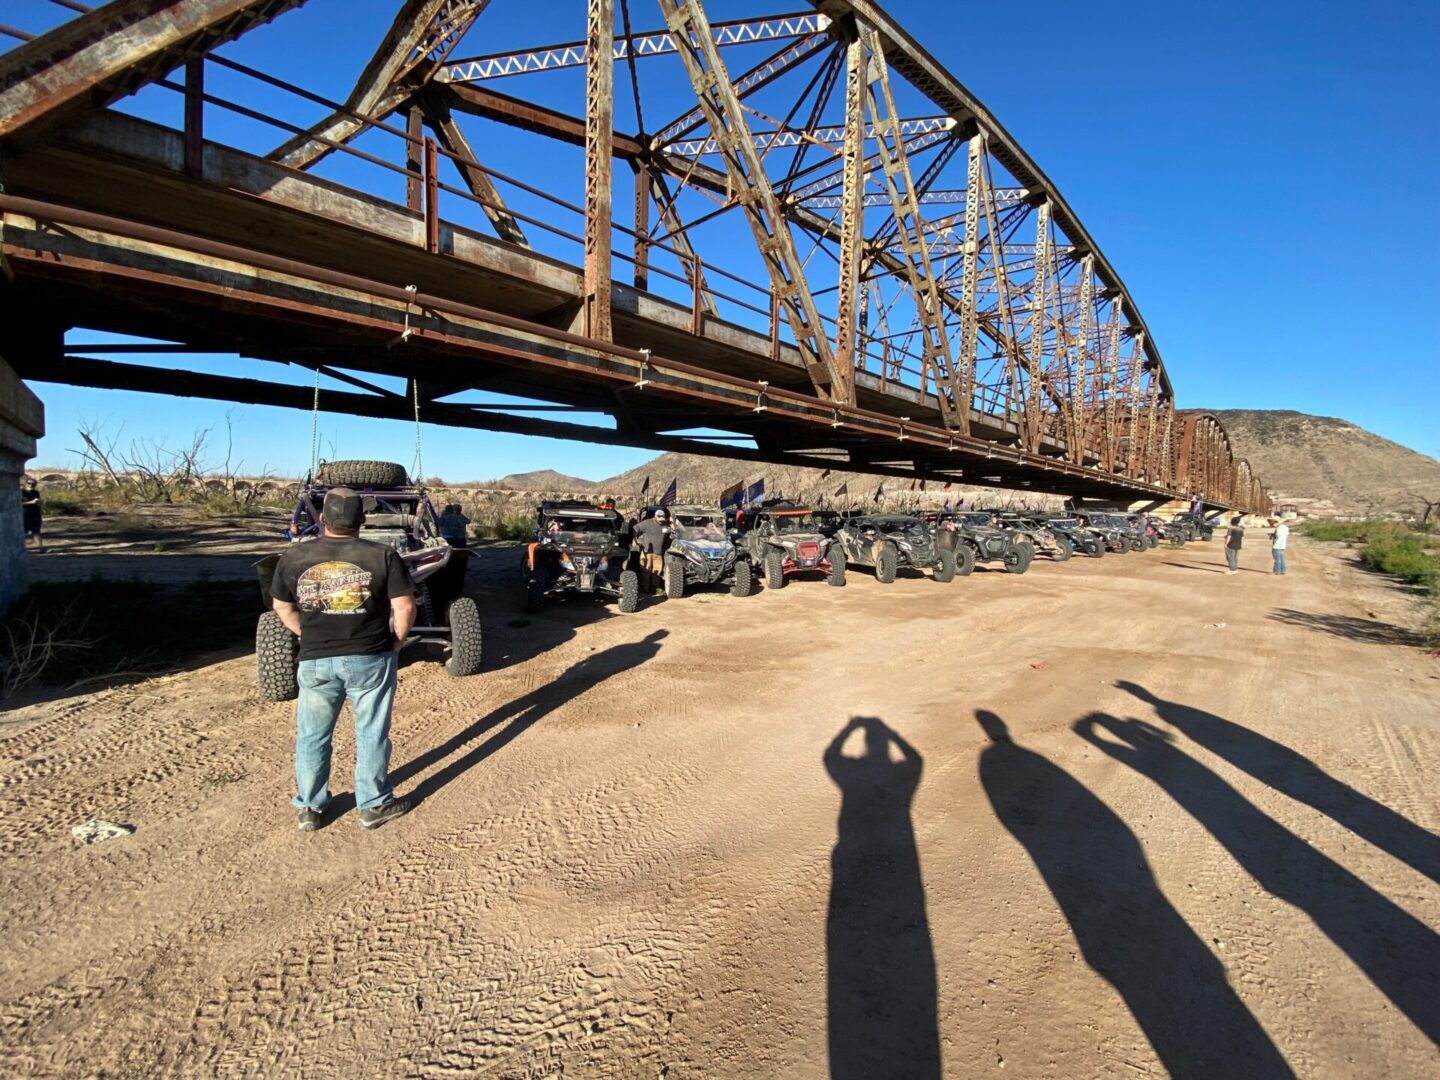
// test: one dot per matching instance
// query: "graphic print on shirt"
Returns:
(333, 588)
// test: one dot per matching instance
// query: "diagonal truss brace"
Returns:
(114, 50)
(752, 190)
(905, 206)
(419, 39)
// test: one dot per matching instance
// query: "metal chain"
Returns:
(419, 466)
(315, 428)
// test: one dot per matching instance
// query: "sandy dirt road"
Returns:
(1064, 825)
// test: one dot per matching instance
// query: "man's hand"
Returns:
(403, 609)
(289, 615)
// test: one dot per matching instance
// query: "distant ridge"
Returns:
(1326, 465)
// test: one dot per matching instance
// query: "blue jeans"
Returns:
(369, 683)
(1279, 554)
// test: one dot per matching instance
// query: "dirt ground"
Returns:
(1116, 817)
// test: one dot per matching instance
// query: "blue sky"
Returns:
(1262, 177)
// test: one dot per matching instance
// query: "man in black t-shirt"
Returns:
(1234, 538)
(341, 595)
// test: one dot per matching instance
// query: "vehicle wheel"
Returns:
(464, 620)
(375, 474)
(1122, 549)
(1097, 550)
(1063, 550)
(887, 562)
(774, 570)
(837, 565)
(534, 594)
(629, 591)
(1019, 559)
(1137, 543)
(944, 565)
(1153, 541)
(674, 578)
(964, 560)
(277, 653)
(744, 580)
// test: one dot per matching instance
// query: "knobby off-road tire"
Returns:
(944, 565)
(1097, 551)
(1153, 542)
(357, 473)
(964, 560)
(674, 578)
(629, 591)
(744, 583)
(1137, 543)
(774, 570)
(277, 653)
(887, 562)
(1018, 561)
(534, 595)
(1063, 550)
(464, 619)
(837, 566)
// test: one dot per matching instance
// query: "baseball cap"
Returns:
(344, 510)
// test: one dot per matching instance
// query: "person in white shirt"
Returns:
(1278, 539)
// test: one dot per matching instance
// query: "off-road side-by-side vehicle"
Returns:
(579, 547)
(783, 539)
(399, 515)
(1137, 528)
(1168, 531)
(1044, 539)
(977, 531)
(1083, 539)
(1114, 533)
(888, 542)
(1195, 525)
(703, 551)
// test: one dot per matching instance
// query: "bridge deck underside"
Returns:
(271, 294)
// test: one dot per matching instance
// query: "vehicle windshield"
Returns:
(794, 523)
(700, 528)
(565, 523)
(973, 519)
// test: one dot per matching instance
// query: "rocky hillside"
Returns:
(1324, 465)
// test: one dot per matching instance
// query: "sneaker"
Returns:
(373, 819)
(1232, 571)
(309, 820)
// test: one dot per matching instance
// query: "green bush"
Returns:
(63, 502)
(1391, 547)
(509, 528)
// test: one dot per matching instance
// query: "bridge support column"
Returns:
(22, 421)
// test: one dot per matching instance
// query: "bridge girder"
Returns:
(999, 321)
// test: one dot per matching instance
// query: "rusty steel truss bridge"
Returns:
(787, 237)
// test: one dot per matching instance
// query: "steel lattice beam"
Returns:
(657, 43)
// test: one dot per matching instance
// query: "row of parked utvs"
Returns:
(582, 548)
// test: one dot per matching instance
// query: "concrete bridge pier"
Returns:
(22, 421)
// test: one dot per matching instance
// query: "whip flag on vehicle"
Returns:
(645, 486)
(755, 492)
(880, 491)
(843, 489)
(669, 497)
(731, 495)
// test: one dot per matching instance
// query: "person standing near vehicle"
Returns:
(30, 510)
(651, 537)
(340, 595)
(1234, 537)
(1278, 541)
(453, 524)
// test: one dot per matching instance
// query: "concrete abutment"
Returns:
(22, 421)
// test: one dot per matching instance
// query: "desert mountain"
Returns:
(1321, 464)
(543, 480)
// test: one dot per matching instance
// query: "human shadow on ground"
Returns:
(1399, 953)
(515, 717)
(1301, 779)
(880, 963)
(1218, 568)
(1128, 931)
(1348, 626)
